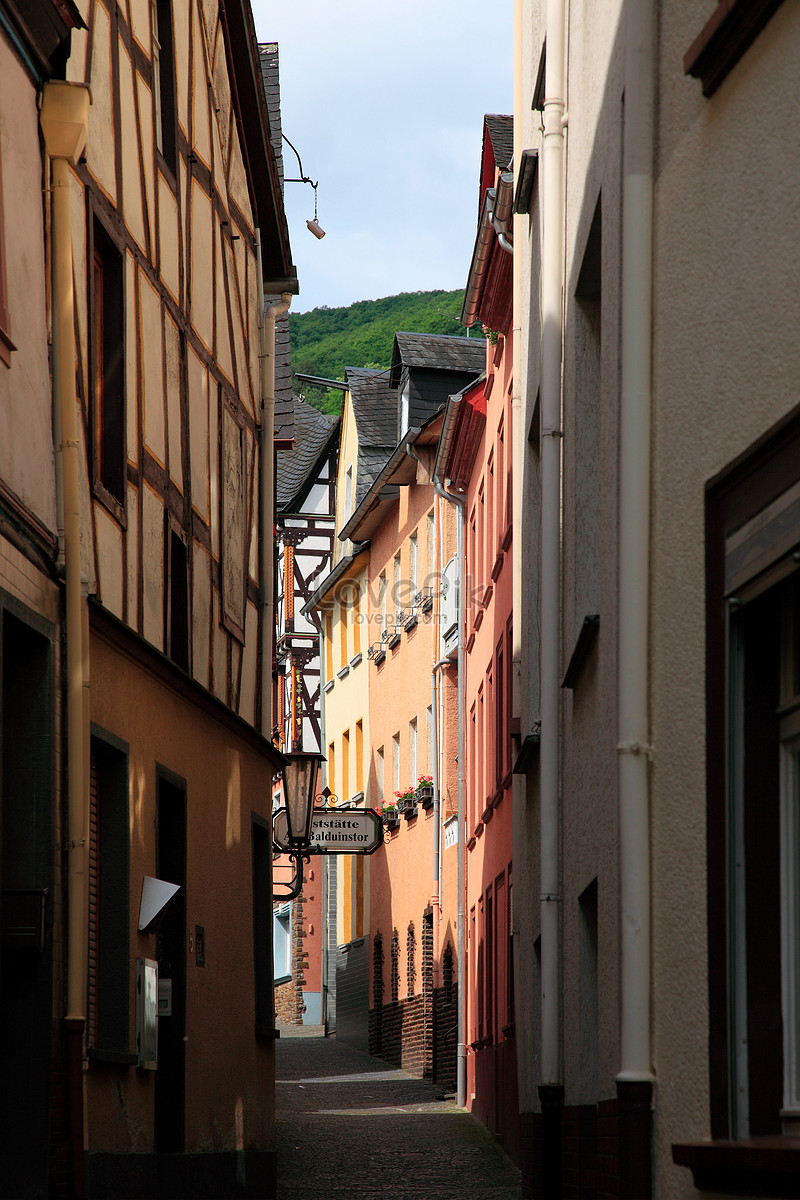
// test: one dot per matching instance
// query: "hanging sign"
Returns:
(335, 831)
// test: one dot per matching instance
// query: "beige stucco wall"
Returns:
(26, 440)
(724, 371)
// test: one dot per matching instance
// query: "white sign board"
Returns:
(335, 831)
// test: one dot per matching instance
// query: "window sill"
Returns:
(768, 1166)
(110, 502)
(393, 641)
(329, 686)
(345, 671)
(356, 659)
(498, 564)
(6, 347)
(725, 38)
(120, 1058)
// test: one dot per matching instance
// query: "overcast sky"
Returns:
(385, 105)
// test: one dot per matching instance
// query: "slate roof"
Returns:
(501, 133)
(374, 406)
(437, 351)
(270, 73)
(313, 431)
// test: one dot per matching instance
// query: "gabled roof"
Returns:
(266, 197)
(500, 131)
(437, 351)
(270, 74)
(374, 407)
(296, 467)
(399, 470)
(464, 422)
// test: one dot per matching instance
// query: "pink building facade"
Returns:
(478, 459)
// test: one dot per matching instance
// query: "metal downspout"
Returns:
(552, 337)
(635, 1079)
(64, 118)
(267, 386)
(461, 1070)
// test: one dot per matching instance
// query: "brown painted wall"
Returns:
(229, 1099)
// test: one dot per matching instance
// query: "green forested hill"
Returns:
(326, 340)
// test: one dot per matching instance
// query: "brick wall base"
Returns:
(400, 1034)
(289, 1004)
(590, 1153)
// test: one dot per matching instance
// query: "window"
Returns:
(382, 599)
(108, 342)
(509, 745)
(412, 564)
(109, 970)
(164, 82)
(328, 647)
(331, 767)
(473, 746)
(379, 769)
(263, 926)
(500, 718)
(753, 793)
(429, 725)
(233, 479)
(346, 766)
(6, 345)
(489, 735)
(398, 584)
(359, 756)
(412, 752)
(348, 494)
(342, 634)
(396, 761)
(431, 547)
(356, 620)
(480, 539)
(500, 501)
(493, 513)
(282, 942)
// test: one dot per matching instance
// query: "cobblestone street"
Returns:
(350, 1125)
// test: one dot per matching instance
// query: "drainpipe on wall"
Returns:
(461, 1066)
(551, 1090)
(635, 1079)
(267, 385)
(437, 800)
(519, 783)
(64, 119)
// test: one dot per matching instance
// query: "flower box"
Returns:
(424, 791)
(410, 810)
(391, 819)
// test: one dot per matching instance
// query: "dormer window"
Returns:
(405, 408)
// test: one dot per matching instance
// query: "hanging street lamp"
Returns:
(300, 774)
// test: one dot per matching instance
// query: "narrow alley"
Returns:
(350, 1125)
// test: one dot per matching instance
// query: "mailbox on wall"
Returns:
(147, 1013)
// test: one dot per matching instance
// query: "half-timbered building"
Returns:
(34, 37)
(166, 231)
(305, 516)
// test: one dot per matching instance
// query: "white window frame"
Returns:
(282, 942)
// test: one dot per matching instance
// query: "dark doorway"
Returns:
(171, 950)
(26, 805)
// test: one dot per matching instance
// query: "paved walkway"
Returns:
(350, 1125)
